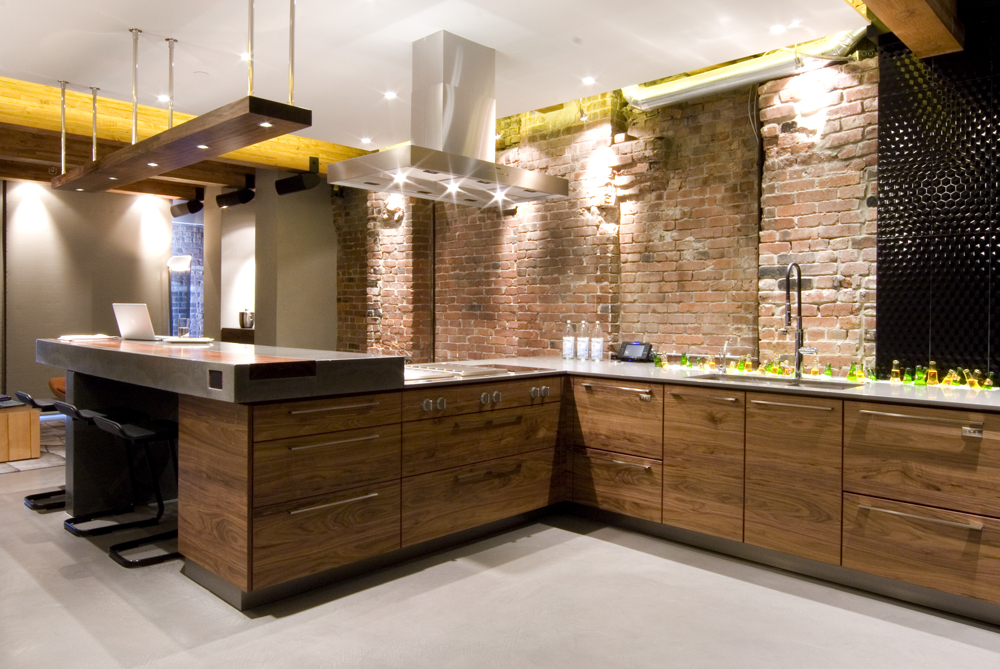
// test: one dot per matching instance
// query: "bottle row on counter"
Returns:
(583, 343)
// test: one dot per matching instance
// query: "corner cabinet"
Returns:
(794, 451)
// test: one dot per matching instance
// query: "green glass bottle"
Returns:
(741, 367)
(990, 383)
(871, 374)
(852, 373)
(829, 370)
(908, 376)
(684, 360)
(920, 379)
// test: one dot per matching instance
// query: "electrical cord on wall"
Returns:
(751, 109)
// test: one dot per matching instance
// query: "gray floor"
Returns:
(566, 593)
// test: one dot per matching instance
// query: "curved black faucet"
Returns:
(799, 335)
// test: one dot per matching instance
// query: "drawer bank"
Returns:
(882, 489)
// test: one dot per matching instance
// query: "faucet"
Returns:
(799, 335)
(725, 356)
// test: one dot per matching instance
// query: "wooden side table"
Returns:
(20, 433)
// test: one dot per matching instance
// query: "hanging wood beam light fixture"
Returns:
(229, 128)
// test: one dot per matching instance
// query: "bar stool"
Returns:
(49, 500)
(134, 436)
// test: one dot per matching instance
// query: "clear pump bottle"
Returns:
(569, 342)
(583, 342)
(597, 342)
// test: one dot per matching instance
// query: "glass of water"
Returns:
(183, 327)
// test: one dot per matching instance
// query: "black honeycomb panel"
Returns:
(944, 199)
(902, 302)
(960, 300)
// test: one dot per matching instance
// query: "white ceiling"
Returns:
(349, 52)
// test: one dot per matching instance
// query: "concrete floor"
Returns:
(564, 593)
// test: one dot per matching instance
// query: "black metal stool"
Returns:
(134, 435)
(49, 500)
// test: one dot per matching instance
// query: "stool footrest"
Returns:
(115, 552)
(72, 524)
(37, 502)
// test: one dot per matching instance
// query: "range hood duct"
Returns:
(767, 67)
(453, 136)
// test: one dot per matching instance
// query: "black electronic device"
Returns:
(635, 351)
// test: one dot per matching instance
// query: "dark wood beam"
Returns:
(31, 145)
(927, 27)
(24, 171)
(243, 123)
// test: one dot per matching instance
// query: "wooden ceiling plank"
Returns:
(30, 172)
(927, 27)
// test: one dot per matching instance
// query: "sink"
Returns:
(778, 381)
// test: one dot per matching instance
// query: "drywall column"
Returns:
(236, 261)
(212, 219)
(296, 257)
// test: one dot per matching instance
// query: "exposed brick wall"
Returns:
(820, 134)
(351, 218)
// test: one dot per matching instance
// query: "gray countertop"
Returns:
(266, 373)
(240, 373)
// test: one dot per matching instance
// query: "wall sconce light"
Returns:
(393, 208)
(190, 206)
(236, 197)
(583, 114)
(179, 263)
(300, 182)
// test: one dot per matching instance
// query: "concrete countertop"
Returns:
(881, 391)
(240, 373)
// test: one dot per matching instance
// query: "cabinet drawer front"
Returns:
(288, 469)
(441, 402)
(945, 550)
(452, 500)
(307, 537)
(794, 448)
(299, 419)
(703, 460)
(938, 457)
(442, 443)
(621, 483)
(620, 416)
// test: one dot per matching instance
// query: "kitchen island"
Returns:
(889, 488)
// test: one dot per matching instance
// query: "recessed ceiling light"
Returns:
(265, 124)
(589, 81)
(163, 98)
(777, 29)
(366, 140)
(453, 187)
(153, 164)
(203, 146)
(244, 56)
(113, 178)
(390, 95)
(199, 73)
(79, 190)
(399, 178)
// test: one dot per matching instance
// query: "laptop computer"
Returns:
(134, 323)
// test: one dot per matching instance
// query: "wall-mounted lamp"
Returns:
(179, 263)
(300, 182)
(237, 197)
(190, 206)
(583, 114)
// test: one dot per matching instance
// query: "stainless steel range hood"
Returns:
(452, 130)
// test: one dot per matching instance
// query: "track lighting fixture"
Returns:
(300, 182)
(190, 206)
(236, 197)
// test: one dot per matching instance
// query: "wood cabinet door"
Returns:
(622, 483)
(442, 443)
(703, 460)
(451, 500)
(945, 550)
(619, 416)
(794, 450)
(283, 420)
(310, 536)
(289, 469)
(938, 457)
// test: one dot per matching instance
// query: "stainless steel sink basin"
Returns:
(778, 381)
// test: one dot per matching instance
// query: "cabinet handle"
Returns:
(950, 523)
(333, 443)
(428, 404)
(497, 397)
(710, 399)
(442, 403)
(489, 424)
(632, 464)
(484, 398)
(326, 506)
(487, 475)
(646, 394)
(793, 406)
(929, 419)
(535, 392)
(545, 391)
(342, 408)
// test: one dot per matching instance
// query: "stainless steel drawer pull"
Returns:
(644, 391)
(341, 408)
(632, 464)
(545, 391)
(442, 404)
(793, 406)
(929, 419)
(333, 443)
(535, 392)
(710, 399)
(497, 397)
(950, 523)
(327, 506)
(484, 398)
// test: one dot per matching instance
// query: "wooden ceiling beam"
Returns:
(927, 27)
(36, 106)
(34, 172)
(29, 145)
